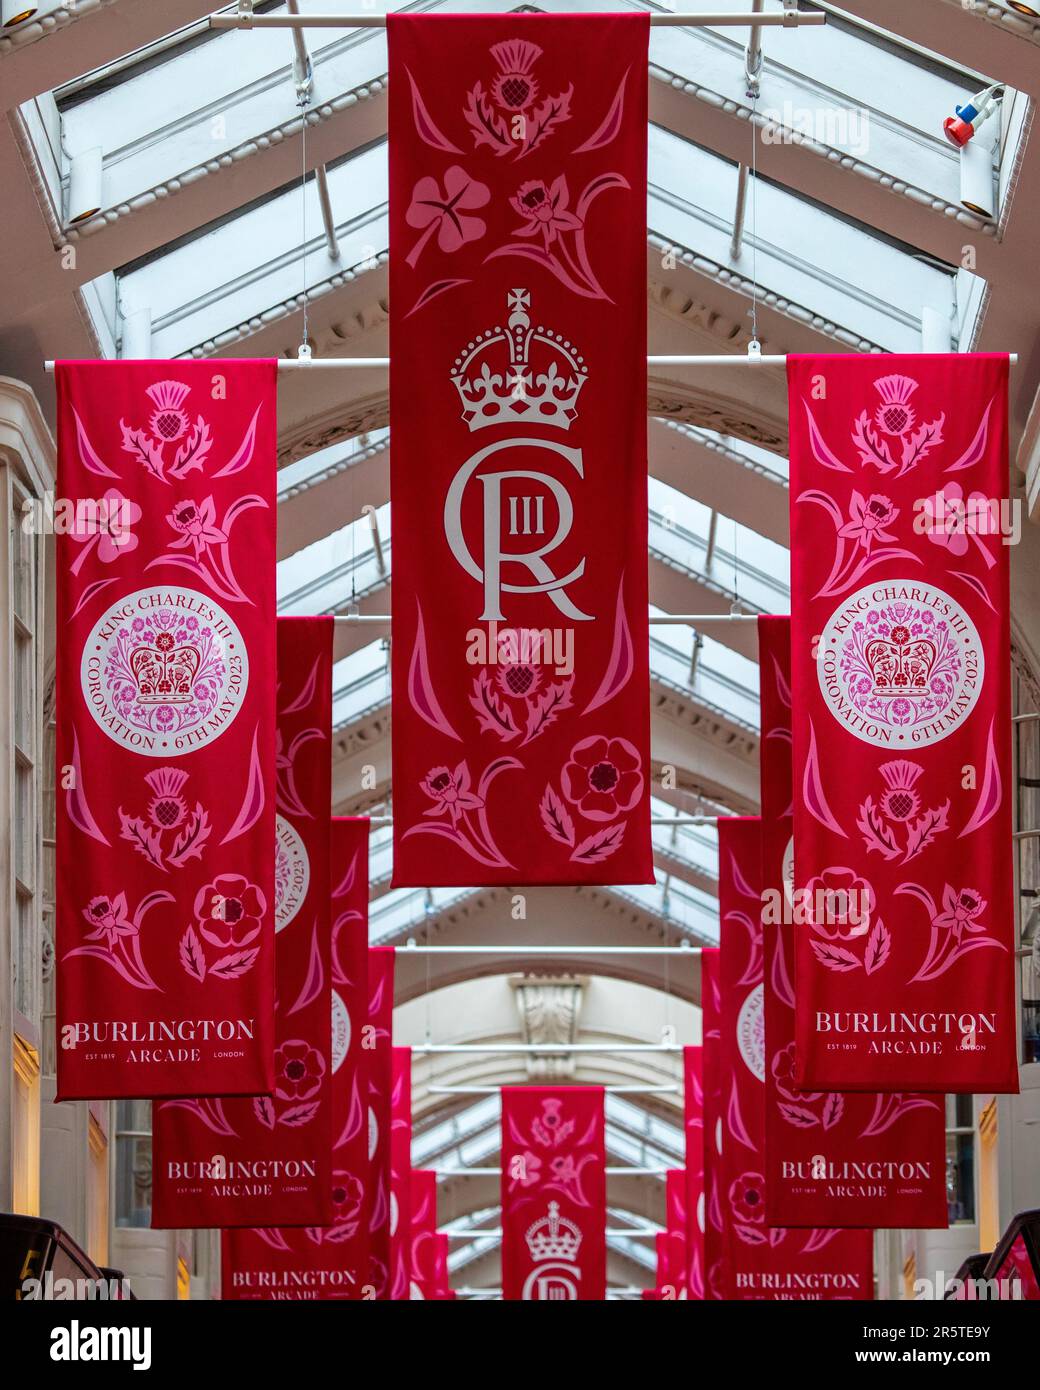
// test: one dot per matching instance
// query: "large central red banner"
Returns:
(901, 679)
(267, 1161)
(554, 1193)
(165, 561)
(763, 1261)
(832, 1158)
(518, 336)
(326, 1262)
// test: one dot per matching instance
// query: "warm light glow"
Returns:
(20, 17)
(1020, 8)
(82, 216)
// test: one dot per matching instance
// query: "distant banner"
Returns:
(554, 1193)
(832, 1158)
(267, 1161)
(675, 1285)
(401, 1175)
(326, 1262)
(443, 1281)
(424, 1262)
(379, 1075)
(902, 746)
(711, 1063)
(763, 1261)
(693, 1129)
(521, 718)
(165, 566)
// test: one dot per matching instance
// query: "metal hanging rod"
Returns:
(379, 822)
(245, 19)
(663, 620)
(550, 1049)
(494, 1090)
(411, 949)
(493, 1172)
(471, 1232)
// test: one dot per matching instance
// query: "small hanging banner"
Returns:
(554, 1193)
(693, 1116)
(853, 1158)
(401, 1175)
(424, 1233)
(267, 1161)
(326, 1262)
(521, 718)
(443, 1281)
(902, 749)
(711, 1062)
(165, 570)
(379, 1063)
(676, 1217)
(762, 1261)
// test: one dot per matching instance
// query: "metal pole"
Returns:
(492, 1172)
(663, 620)
(410, 948)
(550, 1049)
(469, 1232)
(495, 1090)
(654, 820)
(789, 19)
(375, 364)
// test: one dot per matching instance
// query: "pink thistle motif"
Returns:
(196, 524)
(169, 421)
(110, 920)
(899, 801)
(868, 520)
(544, 210)
(298, 1069)
(602, 777)
(518, 680)
(895, 415)
(450, 791)
(167, 808)
(514, 88)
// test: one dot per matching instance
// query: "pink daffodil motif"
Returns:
(951, 520)
(109, 528)
(544, 210)
(446, 213)
(110, 919)
(196, 524)
(868, 519)
(961, 911)
(450, 791)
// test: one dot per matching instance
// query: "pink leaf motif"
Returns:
(493, 714)
(146, 840)
(545, 708)
(235, 964)
(144, 450)
(833, 1109)
(879, 944)
(921, 832)
(191, 955)
(263, 1109)
(488, 128)
(191, 839)
(812, 789)
(298, 1115)
(991, 792)
(88, 454)
(254, 799)
(835, 957)
(600, 845)
(609, 127)
(192, 453)
(976, 585)
(243, 455)
(312, 985)
(872, 448)
(306, 695)
(877, 834)
(433, 291)
(750, 1235)
(426, 127)
(556, 818)
(818, 1238)
(920, 443)
(798, 1115)
(977, 448)
(78, 810)
(622, 656)
(735, 1119)
(421, 694)
(822, 452)
(552, 112)
(89, 592)
(781, 978)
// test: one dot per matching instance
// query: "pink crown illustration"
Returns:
(548, 1240)
(900, 663)
(165, 673)
(519, 374)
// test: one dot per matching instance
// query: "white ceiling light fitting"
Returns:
(85, 177)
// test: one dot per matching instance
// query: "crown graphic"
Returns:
(165, 673)
(553, 1237)
(519, 374)
(901, 664)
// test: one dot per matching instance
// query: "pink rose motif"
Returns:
(841, 900)
(445, 213)
(347, 1196)
(450, 791)
(960, 911)
(783, 1074)
(230, 910)
(544, 210)
(108, 917)
(298, 1069)
(602, 777)
(868, 520)
(108, 528)
(950, 520)
(196, 524)
(747, 1198)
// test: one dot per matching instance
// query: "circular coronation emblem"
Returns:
(373, 1133)
(164, 671)
(788, 872)
(751, 1033)
(900, 664)
(292, 873)
(340, 1032)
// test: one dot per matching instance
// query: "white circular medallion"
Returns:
(292, 873)
(900, 664)
(340, 1032)
(751, 1033)
(788, 872)
(164, 671)
(373, 1133)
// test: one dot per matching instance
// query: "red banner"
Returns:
(401, 1175)
(518, 333)
(762, 1261)
(554, 1193)
(424, 1260)
(832, 1158)
(901, 676)
(165, 561)
(674, 1285)
(326, 1262)
(711, 1062)
(693, 1124)
(267, 1161)
(379, 1063)
(443, 1281)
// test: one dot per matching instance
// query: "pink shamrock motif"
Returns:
(445, 213)
(951, 520)
(108, 528)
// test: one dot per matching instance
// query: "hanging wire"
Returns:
(305, 347)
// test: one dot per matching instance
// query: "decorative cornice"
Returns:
(13, 40)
